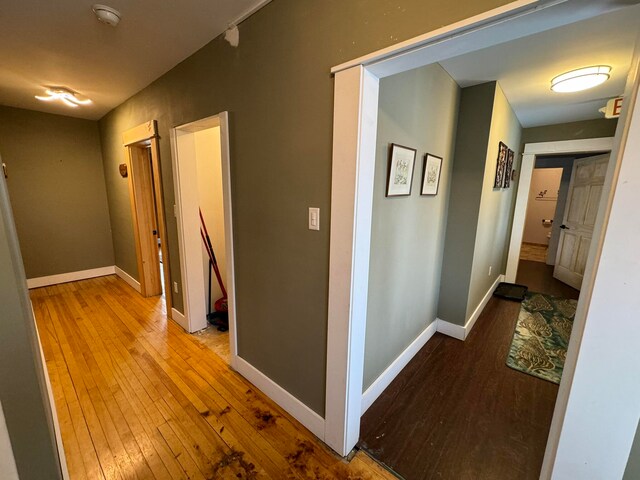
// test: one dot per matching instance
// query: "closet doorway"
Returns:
(202, 185)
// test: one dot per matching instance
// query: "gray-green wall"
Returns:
(472, 136)
(278, 90)
(597, 128)
(496, 205)
(57, 189)
(632, 472)
(22, 386)
(407, 233)
(478, 224)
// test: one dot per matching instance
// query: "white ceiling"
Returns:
(61, 43)
(525, 67)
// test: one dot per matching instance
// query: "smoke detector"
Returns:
(107, 15)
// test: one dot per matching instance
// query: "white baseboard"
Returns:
(69, 277)
(129, 279)
(451, 329)
(180, 319)
(293, 406)
(460, 332)
(54, 413)
(392, 371)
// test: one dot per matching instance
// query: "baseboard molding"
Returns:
(180, 319)
(52, 405)
(392, 371)
(293, 406)
(70, 277)
(451, 329)
(460, 332)
(129, 279)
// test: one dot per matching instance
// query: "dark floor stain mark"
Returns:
(299, 459)
(226, 410)
(206, 413)
(222, 429)
(234, 462)
(265, 418)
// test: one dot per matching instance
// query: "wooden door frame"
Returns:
(531, 151)
(148, 133)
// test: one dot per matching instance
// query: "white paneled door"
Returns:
(585, 191)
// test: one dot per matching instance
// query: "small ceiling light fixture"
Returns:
(66, 96)
(581, 79)
(106, 14)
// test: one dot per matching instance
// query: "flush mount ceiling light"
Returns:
(66, 96)
(106, 14)
(581, 79)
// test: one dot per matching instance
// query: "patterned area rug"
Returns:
(539, 345)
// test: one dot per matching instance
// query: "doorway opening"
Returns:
(143, 170)
(356, 146)
(564, 196)
(205, 232)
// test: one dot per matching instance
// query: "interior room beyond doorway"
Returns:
(412, 425)
(204, 225)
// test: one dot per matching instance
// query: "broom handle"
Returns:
(212, 257)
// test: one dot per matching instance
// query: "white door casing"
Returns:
(583, 202)
(531, 151)
(188, 224)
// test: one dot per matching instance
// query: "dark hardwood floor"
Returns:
(458, 412)
(538, 277)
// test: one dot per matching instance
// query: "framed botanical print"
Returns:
(431, 174)
(401, 163)
(501, 165)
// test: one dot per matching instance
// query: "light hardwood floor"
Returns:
(137, 397)
(534, 252)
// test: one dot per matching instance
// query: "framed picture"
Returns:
(401, 163)
(501, 165)
(431, 174)
(508, 169)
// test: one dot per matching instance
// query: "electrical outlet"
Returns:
(490, 269)
(175, 287)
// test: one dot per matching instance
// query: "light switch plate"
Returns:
(314, 218)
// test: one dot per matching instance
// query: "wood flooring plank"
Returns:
(139, 398)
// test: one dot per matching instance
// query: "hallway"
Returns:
(136, 397)
(458, 411)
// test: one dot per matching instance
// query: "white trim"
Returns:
(570, 146)
(133, 283)
(392, 371)
(519, 215)
(483, 303)
(193, 290)
(179, 318)
(451, 329)
(353, 170)
(460, 332)
(62, 457)
(293, 406)
(531, 150)
(228, 232)
(70, 277)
